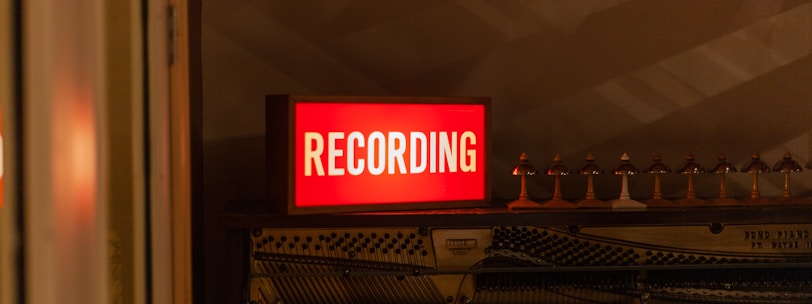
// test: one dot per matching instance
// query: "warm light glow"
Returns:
(74, 157)
(64, 86)
(1, 168)
(377, 153)
(83, 159)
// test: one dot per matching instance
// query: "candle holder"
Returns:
(658, 168)
(787, 165)
(624, 170)
(524, 169)
(690, 168)
(590, 168)
(556, 169)
(755, 166)
(722, 168)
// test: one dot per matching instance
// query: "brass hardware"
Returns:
(590, 168)
(524, 169)
(624, 170)
(658, 168)
(690, 168)
(557, 169)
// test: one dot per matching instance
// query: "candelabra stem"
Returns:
(523, 195)
(657, 194)
(722, 187)
(624, 187)
(557, 190)
(590, 192)
(690, 193)
(755, 194)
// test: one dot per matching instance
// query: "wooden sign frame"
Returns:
(280, 153)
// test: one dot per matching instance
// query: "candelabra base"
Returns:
(593, 203)
(626, 204)
(758, 201)
(692, 202)
(523, 204)
(558, 204)
(725, 202)
(661, 203)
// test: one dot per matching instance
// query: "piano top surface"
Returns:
(254, 214)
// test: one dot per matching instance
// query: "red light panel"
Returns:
(373, 154)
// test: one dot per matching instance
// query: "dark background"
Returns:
(568, 77)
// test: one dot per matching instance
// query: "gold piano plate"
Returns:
(716, 263)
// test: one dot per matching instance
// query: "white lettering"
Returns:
(467, 164)
(397, 145)
(332, 153)
(354, 137)
(433, 154)
(376, 139)
(448, 153)
(313, 155)
(414, 168)
(386, 152)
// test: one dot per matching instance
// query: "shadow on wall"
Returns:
(235, 170)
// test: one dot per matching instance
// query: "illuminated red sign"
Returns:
(361, 153)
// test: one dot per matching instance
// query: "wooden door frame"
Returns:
(170, 160)
(10, 216)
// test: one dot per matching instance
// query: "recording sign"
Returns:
(362, 153)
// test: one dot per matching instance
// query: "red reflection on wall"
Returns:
(74, 158)
(83, 159)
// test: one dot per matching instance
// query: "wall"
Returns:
(568, 77)
(604, 76)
